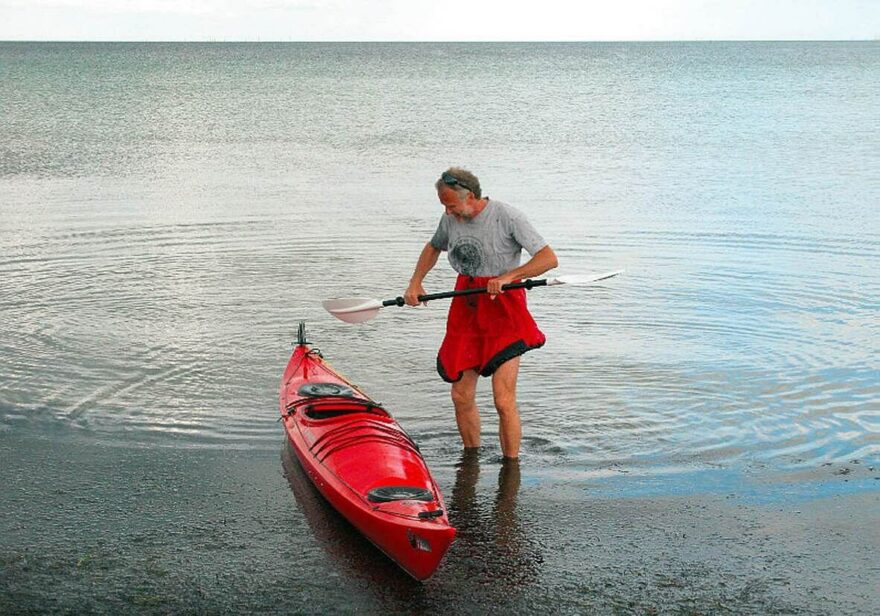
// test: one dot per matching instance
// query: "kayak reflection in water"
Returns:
(487, 333)
(494, 547)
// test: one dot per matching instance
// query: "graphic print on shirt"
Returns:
(467, 253)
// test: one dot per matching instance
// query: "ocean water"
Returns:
(170, 212)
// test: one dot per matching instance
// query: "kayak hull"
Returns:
(364, 464)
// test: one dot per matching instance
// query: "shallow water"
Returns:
(170, 212)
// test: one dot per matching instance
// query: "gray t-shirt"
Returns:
(489, 244)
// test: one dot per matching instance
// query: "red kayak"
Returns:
(364, 463)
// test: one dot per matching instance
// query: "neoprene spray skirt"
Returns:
(482, 333)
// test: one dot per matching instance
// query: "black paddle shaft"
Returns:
(525, 284)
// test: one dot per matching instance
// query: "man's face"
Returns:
(454, 205)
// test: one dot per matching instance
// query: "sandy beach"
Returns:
(88, 528)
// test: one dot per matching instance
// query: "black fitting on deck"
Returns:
(301, 334)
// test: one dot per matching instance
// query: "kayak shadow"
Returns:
(493, 545)
(347, 548)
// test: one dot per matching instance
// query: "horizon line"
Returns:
(484, 41)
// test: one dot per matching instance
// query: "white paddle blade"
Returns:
(583, 278)
(353, 309)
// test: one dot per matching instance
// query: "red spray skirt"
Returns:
(482, 333)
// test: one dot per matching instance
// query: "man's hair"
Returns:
(468, 181)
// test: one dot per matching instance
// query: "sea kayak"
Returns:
(363, 463)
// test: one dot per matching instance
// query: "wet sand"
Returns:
(88, 528)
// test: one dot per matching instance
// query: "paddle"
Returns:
(360, 309)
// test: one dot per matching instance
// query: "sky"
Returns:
(438, 20)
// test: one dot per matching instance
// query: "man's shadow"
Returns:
(492, 545)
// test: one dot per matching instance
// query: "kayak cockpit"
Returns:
(336, 407)
(332, 411)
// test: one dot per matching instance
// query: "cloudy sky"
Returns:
(439, 20)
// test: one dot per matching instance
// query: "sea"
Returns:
(170, 213)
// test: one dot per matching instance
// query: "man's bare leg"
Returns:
(467, 415)
(504, 390)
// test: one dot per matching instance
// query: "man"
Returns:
(486, 333)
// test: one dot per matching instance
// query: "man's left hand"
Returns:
(493, 287)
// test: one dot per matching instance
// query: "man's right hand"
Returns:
(411, 296)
